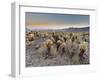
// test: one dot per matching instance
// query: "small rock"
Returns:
(37, 46)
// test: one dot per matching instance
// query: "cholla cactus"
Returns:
(58, 43)
(41, 52)
(75, 53)
(72, 51)
(83, 47)
(45, 35)
(52, 39)
(69, 46)
(53, 51)
(31, 37)
(74, 37)
(49, 43)
(47, 50)
(76, 59)
(61, 38)
(70, 35)
(75, 48)
(62, 48)
(56, 37)
(66, 37)
(78, 40)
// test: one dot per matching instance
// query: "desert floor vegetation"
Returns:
(44, 48)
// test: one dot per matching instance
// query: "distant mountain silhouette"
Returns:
(84, 29)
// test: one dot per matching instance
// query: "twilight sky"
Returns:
(55, 21)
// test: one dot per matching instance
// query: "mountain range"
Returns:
(83, 29)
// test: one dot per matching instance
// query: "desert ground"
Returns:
(48, 48)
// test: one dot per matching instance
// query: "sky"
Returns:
(55, 21)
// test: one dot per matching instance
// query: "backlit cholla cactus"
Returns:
(47, 50)
(72, 51)
(58, 43)
(52, 38)
(29, 38)
(62, 48)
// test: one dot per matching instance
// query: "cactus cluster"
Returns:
(74, 46)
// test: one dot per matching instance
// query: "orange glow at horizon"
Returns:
(37, 24)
